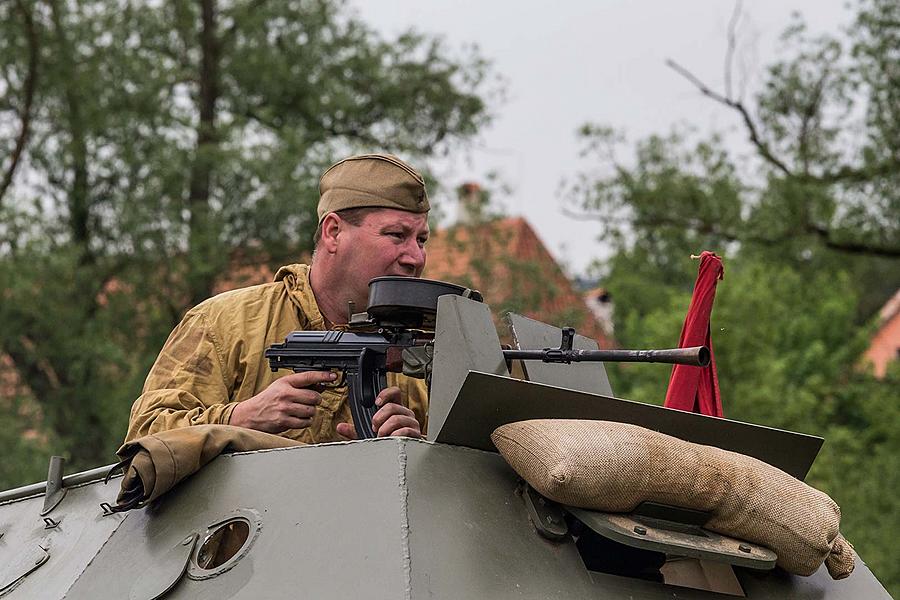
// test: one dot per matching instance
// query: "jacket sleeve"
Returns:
(187, 384)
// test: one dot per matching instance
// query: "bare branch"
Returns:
(732, 42)
(752, 131)
(729, 235)
(608, 220)
(852, 175)
(843, 174)
(865, 249)
(29, 88)
(809, 113)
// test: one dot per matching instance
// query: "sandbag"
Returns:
(613, 467)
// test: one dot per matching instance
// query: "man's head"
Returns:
(373, 221)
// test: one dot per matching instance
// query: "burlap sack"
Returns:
(614, 467)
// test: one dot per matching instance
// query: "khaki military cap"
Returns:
(371, 181)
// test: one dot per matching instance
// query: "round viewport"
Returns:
(223, 543)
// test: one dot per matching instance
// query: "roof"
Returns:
(885, 344)
(507, 262)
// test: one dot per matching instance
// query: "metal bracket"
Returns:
(55, 491)
(49, 523)
(107, 509)
(675, 538)
(546, 516)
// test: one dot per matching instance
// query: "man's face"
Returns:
(387, 242)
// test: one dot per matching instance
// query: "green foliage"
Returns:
(25, 453)
(787, 346)
(810, 249)
(150, 142)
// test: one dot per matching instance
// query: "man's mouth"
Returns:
(405, 273)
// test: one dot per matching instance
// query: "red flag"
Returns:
(696, 389)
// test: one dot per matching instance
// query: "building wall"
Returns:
(885, 345)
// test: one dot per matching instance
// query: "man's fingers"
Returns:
(300, 395)
(389, 395)
(412, 432)
(347, 430)
(288, 422)
(387, 411)
(396, 423)
(308, 378)
(304, 410)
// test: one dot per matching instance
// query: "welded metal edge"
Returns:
(403, 487)
(69, 481)
(99, 473)
(485, 401)
(121, 517)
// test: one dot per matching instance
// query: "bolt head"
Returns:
(640, 530)
(745, 548)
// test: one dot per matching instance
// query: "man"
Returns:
(373, 221)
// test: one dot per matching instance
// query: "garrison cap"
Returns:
(371, 181)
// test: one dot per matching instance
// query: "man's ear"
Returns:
(332, 225)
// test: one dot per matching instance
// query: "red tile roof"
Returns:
(885, 345)
(506, 261)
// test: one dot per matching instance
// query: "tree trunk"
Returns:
(202, 237)
(78, 196)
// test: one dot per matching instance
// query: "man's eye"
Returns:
(422, 241)
(395, 234)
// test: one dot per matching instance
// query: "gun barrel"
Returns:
(697, 356)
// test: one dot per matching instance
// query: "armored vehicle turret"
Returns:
(406, 518)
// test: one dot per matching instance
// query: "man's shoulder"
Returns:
(237, 304)
(254, 294)
(256, 309)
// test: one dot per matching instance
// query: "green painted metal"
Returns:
(660, 536)
(20, 566)
(486, 401)
(382, 518)
(165, 573)
(386, 518)
(534, 335)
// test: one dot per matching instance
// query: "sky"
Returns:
(569, 62)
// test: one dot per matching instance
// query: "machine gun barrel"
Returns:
(365, 358)
(697, 356)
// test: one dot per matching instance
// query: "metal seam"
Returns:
(404, 521)
(96, 554)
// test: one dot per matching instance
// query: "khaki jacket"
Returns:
(214, 359)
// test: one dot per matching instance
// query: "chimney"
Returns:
(472, 203)
(600, 303)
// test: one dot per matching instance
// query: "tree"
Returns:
(150, 142)
(811, 251)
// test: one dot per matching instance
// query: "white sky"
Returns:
(573, 61)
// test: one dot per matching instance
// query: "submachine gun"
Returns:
(396, 334)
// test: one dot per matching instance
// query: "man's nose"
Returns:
(413, 256)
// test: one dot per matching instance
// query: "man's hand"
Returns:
(392, 418)
(288, 403)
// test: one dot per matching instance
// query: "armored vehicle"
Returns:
(406, 518)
